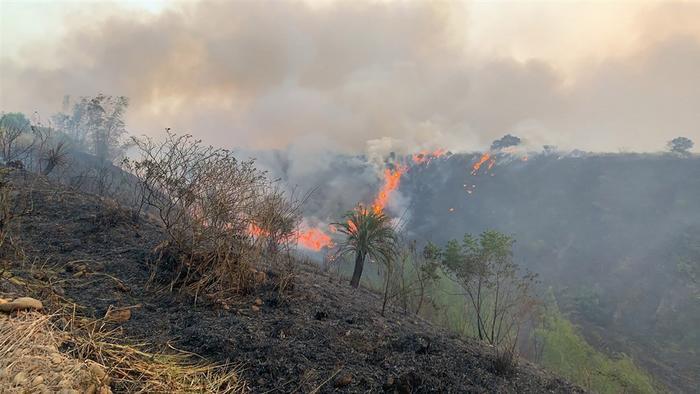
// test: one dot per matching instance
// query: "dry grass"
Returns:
(92, 358)
(135, 370)
(30, 360)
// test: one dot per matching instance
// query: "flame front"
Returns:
(391, 183)
(310, 238)
(484, 158)
(314, 239)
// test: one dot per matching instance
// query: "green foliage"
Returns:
(501, 300)
(15, 121)
(680, 145)
(368, 233)
(568, 354)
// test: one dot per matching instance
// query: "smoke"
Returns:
(367, 77)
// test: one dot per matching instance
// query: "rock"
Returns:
(343, 380)
(258, 302)
(255, 308)
(19, 379)
(38, 380)
(118, 315)
(22, 303)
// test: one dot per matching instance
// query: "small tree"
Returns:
(501, 299)
(96, 124)
(680, 145)
(369, 233)
(505, 142)
(13, 126)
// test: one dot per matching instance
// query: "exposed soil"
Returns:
(318, 334)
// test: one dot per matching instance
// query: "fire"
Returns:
(484, 158)
(310, 238)
(391, 183)
(314, 239)
(256, 231)
(425, 156)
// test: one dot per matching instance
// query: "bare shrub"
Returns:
(505, 361)
(14, 204)
(55, 157)
(213, 208)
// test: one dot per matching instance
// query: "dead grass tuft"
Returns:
(66, 352)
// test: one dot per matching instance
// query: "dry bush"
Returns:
(215, 210)
(505, 361)
(14, 203)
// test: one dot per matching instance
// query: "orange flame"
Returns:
(391, 183)
(310, 238)
(256, 231)
(484, 158)
(314, 239)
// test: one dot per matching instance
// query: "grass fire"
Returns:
(326, 196)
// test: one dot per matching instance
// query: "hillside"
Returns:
(316, 334)
(616, 236)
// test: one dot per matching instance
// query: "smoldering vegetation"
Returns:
(616, 237)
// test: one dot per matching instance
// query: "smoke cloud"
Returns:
(362, 77)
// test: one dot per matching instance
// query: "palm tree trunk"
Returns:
(359, 264)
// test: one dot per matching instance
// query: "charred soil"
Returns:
(317, 334)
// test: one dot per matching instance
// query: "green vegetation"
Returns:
(368, 233)
(565, 352)
(548, 337)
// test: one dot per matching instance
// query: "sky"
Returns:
(375, 77)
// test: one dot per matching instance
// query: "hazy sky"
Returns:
(381, 75)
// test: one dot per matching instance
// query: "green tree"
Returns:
(12, 127)
(680, 145)
(368, 233)
(501, 299)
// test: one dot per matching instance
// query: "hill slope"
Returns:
(617, 236)
(318, 334)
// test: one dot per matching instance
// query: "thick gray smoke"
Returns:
(361, 76)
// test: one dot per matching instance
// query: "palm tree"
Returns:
(369, 233)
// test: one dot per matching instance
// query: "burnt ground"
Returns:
(319, 334)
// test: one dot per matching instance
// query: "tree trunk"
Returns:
(359, 264)
(386, 290)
